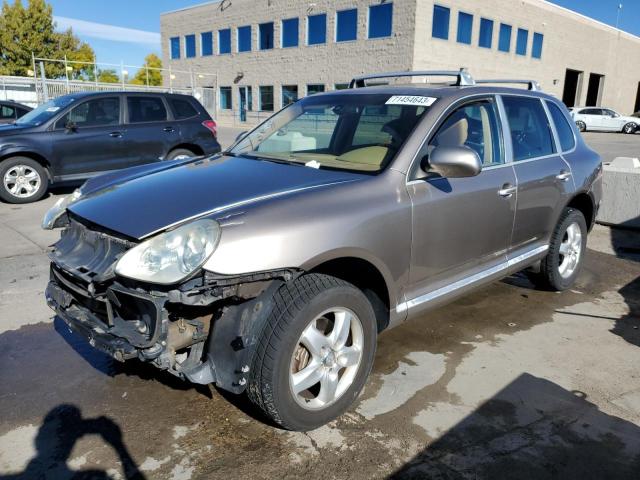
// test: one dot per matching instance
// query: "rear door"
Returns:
(544, 178)
(89, 138)
(593, 117)
(462, 226)
(151, 130)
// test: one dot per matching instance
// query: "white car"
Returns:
(596, 118)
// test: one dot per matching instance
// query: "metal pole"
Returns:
(618, 15)
(95, 70)
(66, 71)
(122, 72)
(33, 62)
(45, 92)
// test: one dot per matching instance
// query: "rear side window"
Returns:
(530, 130)
(7, 112)
(565, 132)
(591, 111)
(146, 109)
(94, 113)
(182, 109)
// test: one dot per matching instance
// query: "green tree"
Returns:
(108, 76)
(154, 76)
(24, 31)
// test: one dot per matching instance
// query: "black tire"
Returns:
(629, 128)
(296, 305)
(178, 152)
(582, 127)
(549, 276)
(31, 168)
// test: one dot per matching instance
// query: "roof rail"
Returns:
(462, 75)
(531, 84)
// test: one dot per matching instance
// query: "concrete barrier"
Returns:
(621, 193)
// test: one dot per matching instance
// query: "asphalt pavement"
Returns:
(508, 382)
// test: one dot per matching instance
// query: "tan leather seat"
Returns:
(455, 134)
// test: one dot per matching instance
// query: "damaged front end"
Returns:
(202, 330)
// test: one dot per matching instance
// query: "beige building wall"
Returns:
(571, 41)
(326, 64)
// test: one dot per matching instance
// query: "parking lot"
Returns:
(509, 382)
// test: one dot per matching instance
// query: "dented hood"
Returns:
(142, 201)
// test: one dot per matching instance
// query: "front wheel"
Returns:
(315, 353)
(560, 268)
(23, 180)
(629, 128)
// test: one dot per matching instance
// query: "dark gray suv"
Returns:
(272, 267)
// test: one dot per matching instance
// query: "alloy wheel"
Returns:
(570, 251)
(22, 181)
(326, 359)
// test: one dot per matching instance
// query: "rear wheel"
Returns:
(581, 126)
(180, 154)
(23, 180)
(630, 128)
(560, 268)
(315, 352)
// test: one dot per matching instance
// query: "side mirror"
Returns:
(452, 162)
(241, 135)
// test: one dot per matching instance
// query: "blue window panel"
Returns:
(521, 41)
(190, 46)
(266, 36)
(206, 43)
(347, 25)
(465, 26)
(486, 33)
(226, 102)
(244, 39)
(504, 40)
(175, 47)
(380, 20)
(290, 32)
(224, 41)
(317, 29)
(440, 26)
(536, 48)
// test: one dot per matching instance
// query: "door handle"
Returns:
(507, 190)
(169, 129)
(115, 134)
(563, 176)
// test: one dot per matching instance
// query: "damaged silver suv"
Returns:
(271, 268)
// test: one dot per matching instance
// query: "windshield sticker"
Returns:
(411, 100)
(53, 109)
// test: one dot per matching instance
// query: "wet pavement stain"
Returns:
(170, 429)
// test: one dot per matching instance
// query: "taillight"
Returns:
(212, 126)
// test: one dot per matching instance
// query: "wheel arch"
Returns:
(187, 146)
(583, 202)
(33, 156)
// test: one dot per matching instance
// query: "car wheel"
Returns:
(315, 353)
(23, 180)
(560, 268)
(180, 154)
(581, 126)
(630, 128)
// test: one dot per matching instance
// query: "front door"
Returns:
(544, 178)
(462, 226)
(89, 139)
(612, 121)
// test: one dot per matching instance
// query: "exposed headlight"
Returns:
(171, 256)
(55, 212)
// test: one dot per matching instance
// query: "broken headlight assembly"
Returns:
(171, 256)
(50, 220)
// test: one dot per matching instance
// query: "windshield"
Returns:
(358, 132)
(45, 111)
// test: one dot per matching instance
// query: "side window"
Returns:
(530, 130)
(93, 113)
(474, 125)
(146, 109)
(387, 125)
(565, 132)
(591, 111)
(182, 109)
(7, 112)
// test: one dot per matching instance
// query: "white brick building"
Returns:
(267, 52)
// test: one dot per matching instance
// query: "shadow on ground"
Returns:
(532, 429)
(61, 429)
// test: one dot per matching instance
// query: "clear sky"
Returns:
(142, 17)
